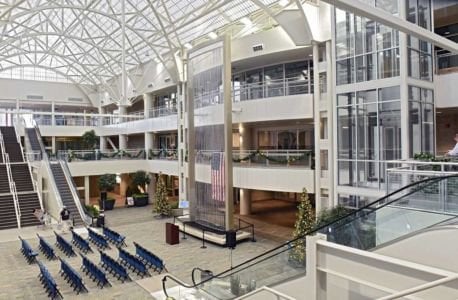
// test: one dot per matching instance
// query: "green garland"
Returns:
(170, 154)
(98, 155)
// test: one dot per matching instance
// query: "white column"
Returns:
(122, 141)
(149, 142)
(53, 116)
(103, 143)
(316, 119)
(87, 194)
(148, 100)
(330, 109)
(53, 145)
(122, 137)
(245, 202)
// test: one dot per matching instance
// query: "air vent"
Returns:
(257, 48)
(150, 85)
(34, 97)
(75, 99)
(134, 91)
(167, 79)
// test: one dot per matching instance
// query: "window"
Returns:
(421, 120)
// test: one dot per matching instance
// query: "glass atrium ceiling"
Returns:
(80, 41)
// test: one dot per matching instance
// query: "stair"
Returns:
(33, 138)
(4, 183)
(12, 146)
(65, 193)
(28, 202)
(21, 176)
(7, 213)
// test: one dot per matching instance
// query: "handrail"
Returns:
(72, 186)
(13, 189)
(246, 264)
(269, 290)
(18, 138)
(420, 288)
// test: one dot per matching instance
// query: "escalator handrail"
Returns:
(314, 230)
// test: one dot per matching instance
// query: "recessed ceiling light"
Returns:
(283, 3)
(447, 32)
(245, 21)
(188, 46)
(157, 60)
(213, 35)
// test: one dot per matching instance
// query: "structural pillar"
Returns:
(53, 145)
(151, 188)
(122, 141)
(330, 109)
(87, 186)
(149, 142)
(317, 125)
(245, 202)
(148, 99)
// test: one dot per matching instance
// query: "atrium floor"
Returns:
(19, 280)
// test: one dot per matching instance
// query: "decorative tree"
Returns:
(90, 139)
(305, 222)
(139, 180)
(161, 206)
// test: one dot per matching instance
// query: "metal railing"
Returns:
(72, 186)
(290, 158)
(18, 138)
(163, 154)
(276, 293)
(446, 61)
(163, 111)
(13, 189)
(90, 155)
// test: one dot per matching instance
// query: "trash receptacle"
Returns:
(101, 220)
(205, 274)
(171, 234)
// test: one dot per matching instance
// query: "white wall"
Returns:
(446, 90)
(56, 91)
(64, 130)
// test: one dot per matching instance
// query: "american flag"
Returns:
(217, 174)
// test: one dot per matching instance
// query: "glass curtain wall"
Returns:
(368, 135)
(419, 52)
(421, 120)
(365, 50)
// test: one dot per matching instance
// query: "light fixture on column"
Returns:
(188, 46)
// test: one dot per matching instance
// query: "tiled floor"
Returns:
(18, 280)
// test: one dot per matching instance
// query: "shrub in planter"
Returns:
(106, 184)
(92, 211)
(109, 203)
(140, 199)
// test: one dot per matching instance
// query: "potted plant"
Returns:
(176, 211)
(106, 184)
(90, 140)
(161, 205)
(140, 180)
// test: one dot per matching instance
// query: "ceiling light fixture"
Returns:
(213, 35)
(245, 21)
(157, 60)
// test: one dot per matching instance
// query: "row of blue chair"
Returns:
(29, 254)
(63, 245)
(113, 267)
(133, 262)
(114, 237)
(48, 282)
(80, 242)
(98, 239)
(46, 248)
(149, 258)
(94, 272)
(72, 277)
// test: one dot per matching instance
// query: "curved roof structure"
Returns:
(81, 40)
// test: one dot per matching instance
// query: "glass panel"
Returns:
(346, 136)
(347, 173)
(390, 130)
(345, 99)
(367, 131)
(390, 93)
(388, 63)
(273, 77)
(414, 128)
(345, 71)
(390, 6)
(428, 128)
(344, 34)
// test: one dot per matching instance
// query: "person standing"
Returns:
(454, 151)
(65, 218)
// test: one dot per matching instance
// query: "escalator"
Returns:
(424, 204)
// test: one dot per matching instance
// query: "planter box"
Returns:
(109, 204)
(177, 212)
(141, 201)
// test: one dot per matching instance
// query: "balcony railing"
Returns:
(69, 119)
(163, 111)
(446, 62)
(88, 155)
(163, 154)
(288, 158)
